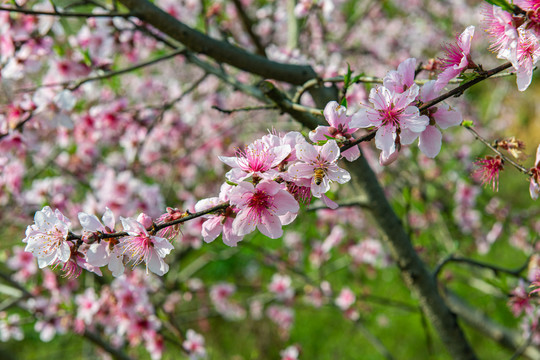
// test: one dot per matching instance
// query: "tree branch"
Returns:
(218, 50)
(64, 14)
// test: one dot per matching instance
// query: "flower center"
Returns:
(390, 116)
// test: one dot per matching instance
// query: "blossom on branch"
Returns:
(257, 159)
(219, 223)
(140, 246)
(105, 251)
(339, 129)
(457, 58)
(488, 170)
(318, 163)
(194, 345)
(46, 239)
(440, 116)
(534, 188)
(266, 207)
(391, 113)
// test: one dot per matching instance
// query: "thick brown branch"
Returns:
(218, 50)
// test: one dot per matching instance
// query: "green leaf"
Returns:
(467, 123)
(344, 102)
(503, 4)
(347, 77)
(356, 78)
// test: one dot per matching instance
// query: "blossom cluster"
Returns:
(516, 37)
(395, 114)
(263, 189)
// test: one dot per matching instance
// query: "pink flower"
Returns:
(170, 232)
(282, 316)
(106, 252)
(457, 58)
(528, 53)
(221, 222)
(10, 327)
(441, 115)
(318, 163)
(281, 286)
(261, 207)
(87, 305)
(488, 170)
(401, 79)
(345, 299)
(23, 262)
(501, 27)
(532, 7)
(534, 188)
(339, 129)
(257, 159)
(519, 301)
(290, 353)
(194, 345)
(391, 113)
(46, 239)
(140, 246)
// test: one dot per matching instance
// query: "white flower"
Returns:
(46, 238)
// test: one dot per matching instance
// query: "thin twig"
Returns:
(247, 108)
(495, 268)
(65, 14)
(497, 151)
(460, 89)
(73, 86)
(367, 137)
(248, 27)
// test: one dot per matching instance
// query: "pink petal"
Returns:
(306, 152)
(360, 119)
(280, 152)
(90, 222)
(211, 229)
(269, 186)
(97, 254)
(330, 151)
(338, 174)
(430, 141)
(351, 154)
(270, 225)
(335, 114)
(156, 264)
(534, 189)
(242, 225)
(285, 203)
(466, 38)
(407, 136)
(301, 170)
(446, 117)
(319, 134)
(328, 202)
(229, 160)
(385, 139)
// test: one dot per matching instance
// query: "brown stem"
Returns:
(64, 14)
(460, 89)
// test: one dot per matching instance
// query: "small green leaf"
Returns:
(467, 123)
(503, 4)
(356, 78)
(344, 102)
(347, 77)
